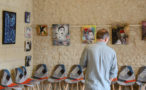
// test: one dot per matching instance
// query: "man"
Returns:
(100, 62)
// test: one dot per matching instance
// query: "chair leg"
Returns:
(72, 86)
(65, 86)
(37, 87)
(59, 85)
(131, 87)
(48, 87)
(54, 86)
(120, 87)
(77, 86)
(113, 87)
(42, 86)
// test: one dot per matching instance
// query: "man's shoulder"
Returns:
(110, 49)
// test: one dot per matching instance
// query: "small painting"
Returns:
(42, 30)
(27, 17)
(61, 35)
(88, 34)
(27, 45)
(144, 30)
(9, 27)
(120, 34)
(28, 60)
(28, 32)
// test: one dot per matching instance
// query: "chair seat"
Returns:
(53, 80)
(73, 80)
(1, 87)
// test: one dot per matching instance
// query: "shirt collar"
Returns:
(101, 43)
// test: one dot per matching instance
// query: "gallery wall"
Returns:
(13, 55)
(82, 12)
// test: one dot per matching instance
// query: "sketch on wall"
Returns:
(61, 35)
(120, 34)
(27, 45)
(9, 27)
(28, 32)
(144, 30)
(28, 60)
(88, 34)
(27, 17)
(42, 30)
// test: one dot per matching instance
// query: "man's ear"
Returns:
(106, 39)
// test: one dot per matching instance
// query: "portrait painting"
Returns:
(28, 45)
(9, 27)
(88, 34)
(61, 34)
(28, 32)
(28, 60)
(144, 30)
(27, 17)
(42, 30)
(120, 34)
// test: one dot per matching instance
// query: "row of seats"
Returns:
(126, 77)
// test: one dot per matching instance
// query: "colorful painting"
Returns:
(9, 27)
(88, 34)
(42, 30)
(120, 34)
(28, 32)
(61, 35)
(27, 45)
(27, 17)
(144, 30)
(27, 61)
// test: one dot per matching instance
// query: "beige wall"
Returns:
(80, 12)
(13, 55)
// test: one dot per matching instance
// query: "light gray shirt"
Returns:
(101, 64)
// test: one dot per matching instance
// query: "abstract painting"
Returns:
(144, 30)
(28, 60)
(61, 35)
(28, 32)
(27, 45)
(9, 27)
(27, 17)
(120, 34)
(88, 34)
(42, 30)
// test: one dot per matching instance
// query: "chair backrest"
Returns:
(24, 72)
(126, 73)
(141, 79)
(6, 78)
(41, 71)
(76, 72)
(19, 75)
(59, 71)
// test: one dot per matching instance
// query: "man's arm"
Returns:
(84, 58)
(114, 68)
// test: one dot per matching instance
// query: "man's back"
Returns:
(100, 61)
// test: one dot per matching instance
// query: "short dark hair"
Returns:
(102, 34)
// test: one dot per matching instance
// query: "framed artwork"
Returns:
(27, 61)
(144, 30)
(27, 45)
(88, 34)
(120, 34)
(28, 32)
(61, 35)
(9, 27)
(42, 30)
(27, 17)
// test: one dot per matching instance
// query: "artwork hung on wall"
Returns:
(88, 34)
(42, 30)
(144, 30)
(61, 34)
(120, 34)
(9, 27)
(27, 17)
(28, 32)
(28, 60)
(27, 45)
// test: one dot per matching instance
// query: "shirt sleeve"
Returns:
(114, 67)
(84, 58)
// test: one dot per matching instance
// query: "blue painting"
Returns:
(9, 27)
(27, 17)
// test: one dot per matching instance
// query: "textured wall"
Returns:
(13, 55)
(82, 12)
